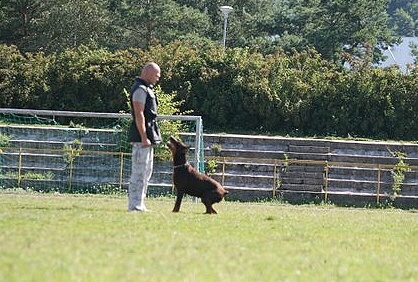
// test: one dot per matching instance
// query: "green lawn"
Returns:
(47, 237)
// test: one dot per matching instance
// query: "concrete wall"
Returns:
(296, 170)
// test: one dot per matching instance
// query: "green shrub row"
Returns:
(233, 89)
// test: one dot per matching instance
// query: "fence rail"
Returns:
(325, 167)
(23, 161)
(97, 165)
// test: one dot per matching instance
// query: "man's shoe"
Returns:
(138, 209)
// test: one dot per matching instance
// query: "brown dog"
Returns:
(188, 180)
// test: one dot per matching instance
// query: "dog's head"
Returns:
(177, 147)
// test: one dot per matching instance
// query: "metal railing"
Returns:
(326, 166)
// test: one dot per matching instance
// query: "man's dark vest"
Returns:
(150, 113)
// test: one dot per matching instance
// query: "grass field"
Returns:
(48, 237)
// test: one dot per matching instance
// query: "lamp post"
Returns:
(225, 10)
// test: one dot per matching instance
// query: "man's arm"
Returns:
(140, 122)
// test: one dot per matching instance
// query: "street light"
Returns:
(225, 10)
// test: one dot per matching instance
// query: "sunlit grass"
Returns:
(92, 238)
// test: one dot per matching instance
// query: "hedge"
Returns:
(233, 89)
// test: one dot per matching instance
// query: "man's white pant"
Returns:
(142, 165)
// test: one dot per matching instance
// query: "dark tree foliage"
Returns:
(335, 28)
(233, 89)
(280, 72)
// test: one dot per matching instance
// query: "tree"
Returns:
(23, 79)
(150, 22)
(336, 27)
(54, 25)
(404, 23)
(16, 17)
(68, 24)
(405, 19)
(414, 52)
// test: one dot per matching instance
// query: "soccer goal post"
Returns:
(62, 146)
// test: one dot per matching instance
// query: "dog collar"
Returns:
(182, 165)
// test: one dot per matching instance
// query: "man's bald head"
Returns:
(151, 73)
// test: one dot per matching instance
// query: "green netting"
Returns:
(10, 118)
(43, 154)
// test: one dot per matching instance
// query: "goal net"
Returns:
(84, 152)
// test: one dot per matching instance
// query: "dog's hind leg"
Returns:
(207, 201)
(213, 210)
(178, 201)
(209, 209)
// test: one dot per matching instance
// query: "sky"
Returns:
(400, 54)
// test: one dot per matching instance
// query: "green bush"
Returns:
(233, 89)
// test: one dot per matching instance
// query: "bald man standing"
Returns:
(144, 133)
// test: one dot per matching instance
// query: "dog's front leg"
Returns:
(178, 201)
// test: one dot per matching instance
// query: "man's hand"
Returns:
(146, 143)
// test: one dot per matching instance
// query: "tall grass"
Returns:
(47, 237)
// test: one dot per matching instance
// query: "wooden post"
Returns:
(275, 178)
(19, 173)
(326, 182)
(121, 171)
(378, 184)
(223, 171)
(71, 170)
